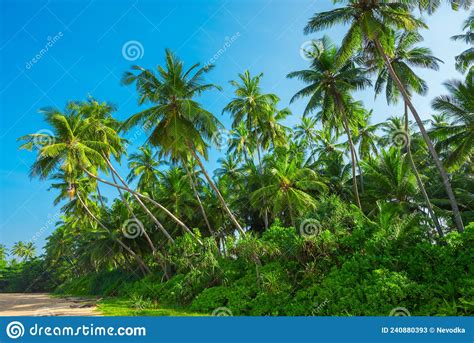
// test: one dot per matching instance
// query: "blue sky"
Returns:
(84, 56)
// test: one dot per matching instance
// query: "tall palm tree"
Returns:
(240, 142)
(373, 22)
(144, 165)
(25, 251)
(73, 147)
(329, 86)
(182, 127)
(457, 137)
(403, 56)
(465, 60)
(105, 129)
(305, 131)
(367, 138)
(251, 106)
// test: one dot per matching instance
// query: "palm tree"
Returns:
(251, 106)
(25, 251)
(182, 127)
(329, 87)
(367, 138)
(403, 56)
(457, 137)
(389, 177)
(327, 144)
(432, 5)
(3, 251)
(466, 58)
(144, 165)
(105, 129)
(174, 191)
(374, 22)
(305, 131)
(73, 147)
(240, 142)
(289, 185)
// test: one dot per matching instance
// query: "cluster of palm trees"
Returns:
(24, 251)
(270, 172)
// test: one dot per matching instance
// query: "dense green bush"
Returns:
(28, 276)
(351, 266)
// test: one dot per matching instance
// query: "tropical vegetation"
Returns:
(337, 215)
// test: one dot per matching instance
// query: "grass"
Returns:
(126, 307)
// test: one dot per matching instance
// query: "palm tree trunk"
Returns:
(431, 149)
(418, 179)
(260, 169)
(360, 171)
(139, 201)
(180, 223)
(290, 209)
(123, 245)
(353, 156)
(216, 190)
(198, 198)
(130, 210)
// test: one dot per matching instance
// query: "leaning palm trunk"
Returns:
(434, 154)
(216, 190)
(198, 198)
(131, 192)
(360, 171)
(123, 245)
(160, 260)
(155, 203)
(418, 179)
(352, 149)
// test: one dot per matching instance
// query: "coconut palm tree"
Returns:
(329, 86)
(251, 106)
(174, 191)
(289, 185)
(432, 5)
(305, 131)
(144, 165)
(465, 60)
(182, 127)
(389, 177)
(25, 251)
(457, 137)
(373, 22)
(240, 142)
(403, 56)
(367, 138)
